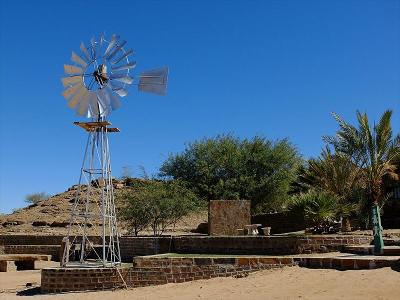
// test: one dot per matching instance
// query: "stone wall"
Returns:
(226, 216)
(53, 250)
(154, 271)
(281, 222)
(136, 246)
(265, 245)
(30, 239)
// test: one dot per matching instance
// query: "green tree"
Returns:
(374, 150)
(337, 175)
(319, 207)
(135, 209)
(156, 204)
(36, 197)
(226, 167)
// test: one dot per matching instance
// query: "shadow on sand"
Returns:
(29, 292)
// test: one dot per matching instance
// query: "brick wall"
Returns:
(265, 245)
(135, 246)
(52, 250)
(281, 222)
(30, 239)
(226, 216)
(154, 271)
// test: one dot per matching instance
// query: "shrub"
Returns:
(36, 197)
(319, 207)
(226, 167)
(158, 204)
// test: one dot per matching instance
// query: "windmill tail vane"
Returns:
(94, 83)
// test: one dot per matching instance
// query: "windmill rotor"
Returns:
(100, 74)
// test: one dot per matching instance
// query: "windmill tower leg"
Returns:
(88, 244)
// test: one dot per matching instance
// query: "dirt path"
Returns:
(286, 283)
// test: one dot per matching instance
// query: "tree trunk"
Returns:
(346, 225)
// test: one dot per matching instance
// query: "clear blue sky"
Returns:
(272, 68)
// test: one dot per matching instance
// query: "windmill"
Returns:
(94, 83)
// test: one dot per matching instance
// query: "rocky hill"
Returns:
(52, 216)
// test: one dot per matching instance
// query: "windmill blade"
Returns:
(72, 69)
(85, 52)
(77, 97)
(71, 80)
(105, 101)
(122, 57)
(122, 78)
(154, 81)
(77, 59)
(93, 45)
(94, 106)
(120, 91)
(115, 103)
(102, 39)
(114, 39)
(83, 105)
(124, 67)
(68, 93)
(117, 48)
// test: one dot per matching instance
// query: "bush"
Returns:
(319, 207)
(226, 167)
(36, 197)
(158, 204)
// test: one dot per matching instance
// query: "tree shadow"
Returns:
(30, 292)
(396, 267)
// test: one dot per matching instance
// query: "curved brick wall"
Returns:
(153, 271)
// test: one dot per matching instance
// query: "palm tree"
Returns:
(335, 174)
(375, 151)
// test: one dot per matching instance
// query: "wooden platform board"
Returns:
(97, 126)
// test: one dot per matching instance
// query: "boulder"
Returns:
(40, 223)
(59, 224)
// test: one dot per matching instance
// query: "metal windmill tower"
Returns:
(95, 81)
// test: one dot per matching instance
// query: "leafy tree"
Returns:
(226, 167)
(319, 207)
(337, 175)
(36, 197)
(136, 211)
(156, 204)
(375, 151)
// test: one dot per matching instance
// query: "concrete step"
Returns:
(369, 250)
(350, 262)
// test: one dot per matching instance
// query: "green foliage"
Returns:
(36, 197)
(319, 207)
(375, 151)
(158, 204)
(226, 167)
(336, 175)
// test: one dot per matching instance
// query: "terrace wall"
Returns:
(154, 271)
(137, 246)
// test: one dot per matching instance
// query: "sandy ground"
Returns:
(285, 283)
